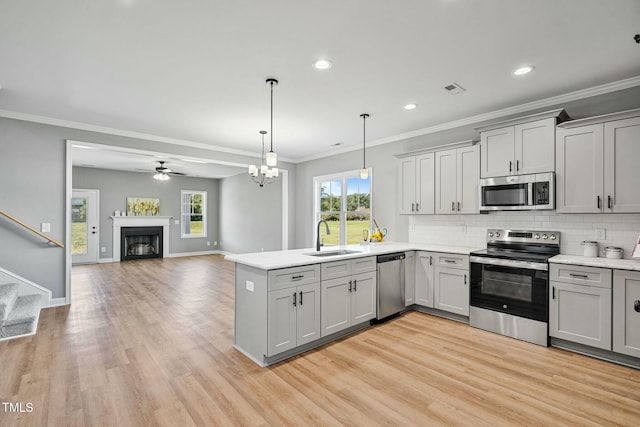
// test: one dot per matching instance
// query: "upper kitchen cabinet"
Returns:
(520, 146)
(417, 184)
(457, 179)
(596, 164)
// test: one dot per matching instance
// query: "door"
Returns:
(621, 156)
(407, 168)
(497, 152)
(363, 298)
(281, 322)
(580, 314)
(451, 290)
(84, 226)
(468, 180)
(425, 187)
(308, 313)
(335, 304)
(579, 169)
(424, 279)
(446, 182)
(626, 312)
(535, 147)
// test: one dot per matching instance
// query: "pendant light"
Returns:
(267, 172)
(364, 172)
(272, 157)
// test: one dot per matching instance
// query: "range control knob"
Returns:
(553, 237)
(490, 234)
(536, 236)
(545, 237)
(497, 234)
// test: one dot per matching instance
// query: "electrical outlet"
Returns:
(103, 249)
(176, 222)
(249, 285)
(215, 243)
(463, 228)
(208, 243)
(600, 234)
(45, 227)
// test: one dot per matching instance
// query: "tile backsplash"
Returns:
(470, 230)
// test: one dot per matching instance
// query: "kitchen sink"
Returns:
(333, 253)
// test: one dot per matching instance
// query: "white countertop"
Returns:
(283, 259)
(621, 264)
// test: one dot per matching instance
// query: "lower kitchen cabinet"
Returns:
(410, 278)
(293, 317)
(451, 290)
(347, 301)
(424, 279)
(580, 313)
(626, 312)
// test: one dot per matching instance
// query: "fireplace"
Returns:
(141, 243)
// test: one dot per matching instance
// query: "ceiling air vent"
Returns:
(454, 88)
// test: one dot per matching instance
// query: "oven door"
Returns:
(515, 287)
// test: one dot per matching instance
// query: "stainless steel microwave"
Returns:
(520, 192)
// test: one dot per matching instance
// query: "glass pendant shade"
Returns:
(272, 158)
(364, 173)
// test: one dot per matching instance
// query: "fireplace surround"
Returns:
(120, 222)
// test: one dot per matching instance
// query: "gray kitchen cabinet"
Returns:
(451, 283)
(410, 278)
(519, 146)
(596, 164)
(580, 305)
(457, 178)
(293, 317)
(417, 184)
(349, 299)
(424, 278)
(626, 312)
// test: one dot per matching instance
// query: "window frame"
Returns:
(183, 214)
(343, 177)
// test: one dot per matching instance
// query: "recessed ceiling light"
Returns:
(411, 106)
(322, 64)
(524, 70)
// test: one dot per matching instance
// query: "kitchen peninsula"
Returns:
(288, 302)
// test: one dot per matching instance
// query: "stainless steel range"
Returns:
(510, 284)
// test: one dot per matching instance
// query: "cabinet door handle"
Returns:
(636, 305)
(430, 260)
(355, 286)
(350, 283)
(413, 207)
(465, 279)
(294, 298)
(417, 207)
(581, 276)
(458, 206)
(453, 206)
(599, 204)
(609, 204)
(298, 277)
(517, 165)
(553, 292)
(510, 166)
(300, 297)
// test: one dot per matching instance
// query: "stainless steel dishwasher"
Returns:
(390, 271)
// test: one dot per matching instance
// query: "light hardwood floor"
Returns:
(151, 343)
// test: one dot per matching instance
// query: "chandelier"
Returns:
(267, 172)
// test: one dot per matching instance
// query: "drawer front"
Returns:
(363, 265)
(581, 275)
(334, 269)
(452, 261)
(287, 277)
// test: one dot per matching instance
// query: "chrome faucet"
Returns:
(326, 224)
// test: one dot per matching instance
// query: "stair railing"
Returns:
(28, 227)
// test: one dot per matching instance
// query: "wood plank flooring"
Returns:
(150, 343)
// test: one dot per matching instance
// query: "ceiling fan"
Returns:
(162, 173)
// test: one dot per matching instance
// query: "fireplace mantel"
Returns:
(139, 221)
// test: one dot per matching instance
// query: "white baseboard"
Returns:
(57, 302)
(105, 260)
(183, 254)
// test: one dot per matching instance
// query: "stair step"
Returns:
(25, 310)
(8, 297)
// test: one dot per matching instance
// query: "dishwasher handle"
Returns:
(390, 257)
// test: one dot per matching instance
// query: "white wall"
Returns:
(470, 230)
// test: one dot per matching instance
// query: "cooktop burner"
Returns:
(532, 246)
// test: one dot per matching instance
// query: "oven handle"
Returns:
(510, 263)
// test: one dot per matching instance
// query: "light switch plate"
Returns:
(249, 286)
(600, 234)
(45, 227)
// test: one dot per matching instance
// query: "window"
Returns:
(194, 213)
(344, 201)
